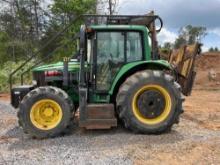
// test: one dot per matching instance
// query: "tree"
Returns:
(211, 49)
(4, 47)
(195, 34)
(167, 45)
(190, 35)
(26, 25)
(22, 21)
(181, 40)
(62, 14)
(112, 6)
(107, 6)
(216, 49)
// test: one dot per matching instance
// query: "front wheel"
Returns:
(149, 102)
(45, 112)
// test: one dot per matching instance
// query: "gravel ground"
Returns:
(188, 143)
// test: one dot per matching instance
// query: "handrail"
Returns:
(37, 63)
(47, 56)
(42, 48)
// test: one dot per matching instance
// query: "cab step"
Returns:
(98, 116)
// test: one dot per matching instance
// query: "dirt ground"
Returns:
(208, 71)
(195, 140)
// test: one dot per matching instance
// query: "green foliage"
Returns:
(11, 49)
(213, 49)
(165, 50)
(179, 42)
(190, 35)
(3, 47)
(5, 71)
(25, 27)
(21, 21)
(168, 45)
(64, 13)
(73, 7)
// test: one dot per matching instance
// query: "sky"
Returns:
(179, 13)
(176, 14)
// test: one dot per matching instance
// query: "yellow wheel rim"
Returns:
(46, 114)
(166, 109)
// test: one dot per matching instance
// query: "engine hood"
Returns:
(74, 66)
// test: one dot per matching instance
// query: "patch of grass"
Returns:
(5, 71)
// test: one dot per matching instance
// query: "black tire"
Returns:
(127, 93)
(47, 92)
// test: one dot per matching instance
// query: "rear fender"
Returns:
(133, 67)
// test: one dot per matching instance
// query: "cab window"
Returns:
(134, 47)
(114, 49)
(110, 57)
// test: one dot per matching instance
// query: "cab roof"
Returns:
(119, 27)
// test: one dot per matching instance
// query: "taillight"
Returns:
(52, 73)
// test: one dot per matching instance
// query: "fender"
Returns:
(132, 67)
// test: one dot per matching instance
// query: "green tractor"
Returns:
(117, 75)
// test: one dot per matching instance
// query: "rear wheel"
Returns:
(149, 102)
(45, 112)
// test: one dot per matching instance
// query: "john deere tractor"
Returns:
(116, 75)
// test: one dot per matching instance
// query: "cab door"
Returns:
(113, 49)
(110, 56)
